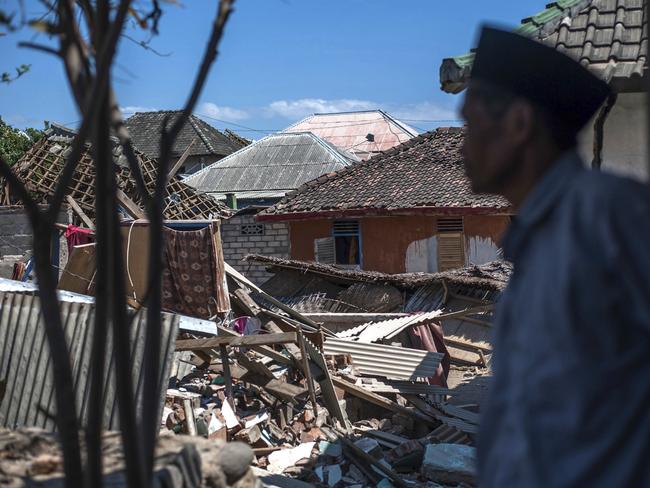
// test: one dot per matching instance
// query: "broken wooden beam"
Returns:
(82, 215)
(181, 160)
(381, 401)
(236, 341)
(129, 205)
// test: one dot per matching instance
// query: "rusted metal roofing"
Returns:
(386, 329)
(386, 361)
(26, 369)
(349, 131)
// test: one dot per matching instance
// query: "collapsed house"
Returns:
(39, 169)
(344, 299)
(354, 407)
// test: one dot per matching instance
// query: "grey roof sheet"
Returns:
(607, 36)
(276, 162)
(145, 129)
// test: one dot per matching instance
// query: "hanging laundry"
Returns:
(76, 236)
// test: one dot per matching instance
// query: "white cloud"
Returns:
(421, 111)
(298, 109)
(131, 109)
(210, 109)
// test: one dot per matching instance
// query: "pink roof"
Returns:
(348, 130)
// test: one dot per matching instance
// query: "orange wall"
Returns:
(384, 240)
(492, 226)
(302, 235)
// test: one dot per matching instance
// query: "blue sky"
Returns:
(280, 60)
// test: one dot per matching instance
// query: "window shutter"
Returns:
(324, 250)
(451, 250)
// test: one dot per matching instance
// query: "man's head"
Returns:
(525, 104)
(502, 129)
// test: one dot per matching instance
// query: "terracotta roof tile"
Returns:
(426, 171)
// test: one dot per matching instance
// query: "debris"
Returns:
(281, 460)
(449, 463)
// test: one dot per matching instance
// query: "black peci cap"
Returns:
(539, 73)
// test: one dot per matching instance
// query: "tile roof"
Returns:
(145, 129)
(278, 162)
(348, 131)
(608, 36)
(425, 172)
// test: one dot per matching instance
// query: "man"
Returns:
(570, 399)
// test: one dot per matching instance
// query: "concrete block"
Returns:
(450, 463)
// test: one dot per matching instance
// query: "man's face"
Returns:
(489, 151)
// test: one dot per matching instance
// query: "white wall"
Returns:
(422, 255)
(625, 134)
(481, 250)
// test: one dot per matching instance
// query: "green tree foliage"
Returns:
(14, 142)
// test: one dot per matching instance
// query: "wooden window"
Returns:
(451, 243)
(347, 242)
(324, 250)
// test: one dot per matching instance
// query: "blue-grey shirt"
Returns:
(570, 399)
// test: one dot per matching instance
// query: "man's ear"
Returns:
(519, 122)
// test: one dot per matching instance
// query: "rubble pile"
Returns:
(311, 416)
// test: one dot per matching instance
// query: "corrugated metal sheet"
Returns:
(26, 369)
(348, 130)
(387, 361)
(387, 329)
(276, 162)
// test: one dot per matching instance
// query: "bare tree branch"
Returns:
(155, 214)
(39, 47)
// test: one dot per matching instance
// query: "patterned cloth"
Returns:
(191, 273)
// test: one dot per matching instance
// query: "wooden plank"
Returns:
(251, 340)
(181, 160)
(395, 478)
(305, 367)
(232, 272)
(394, 440)
(264, 350)
(381, 401)
(327, 386)
(226, 373)
(129, 205)
(79, 271)
(463, 344)
(459, 412)
(82, 215)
